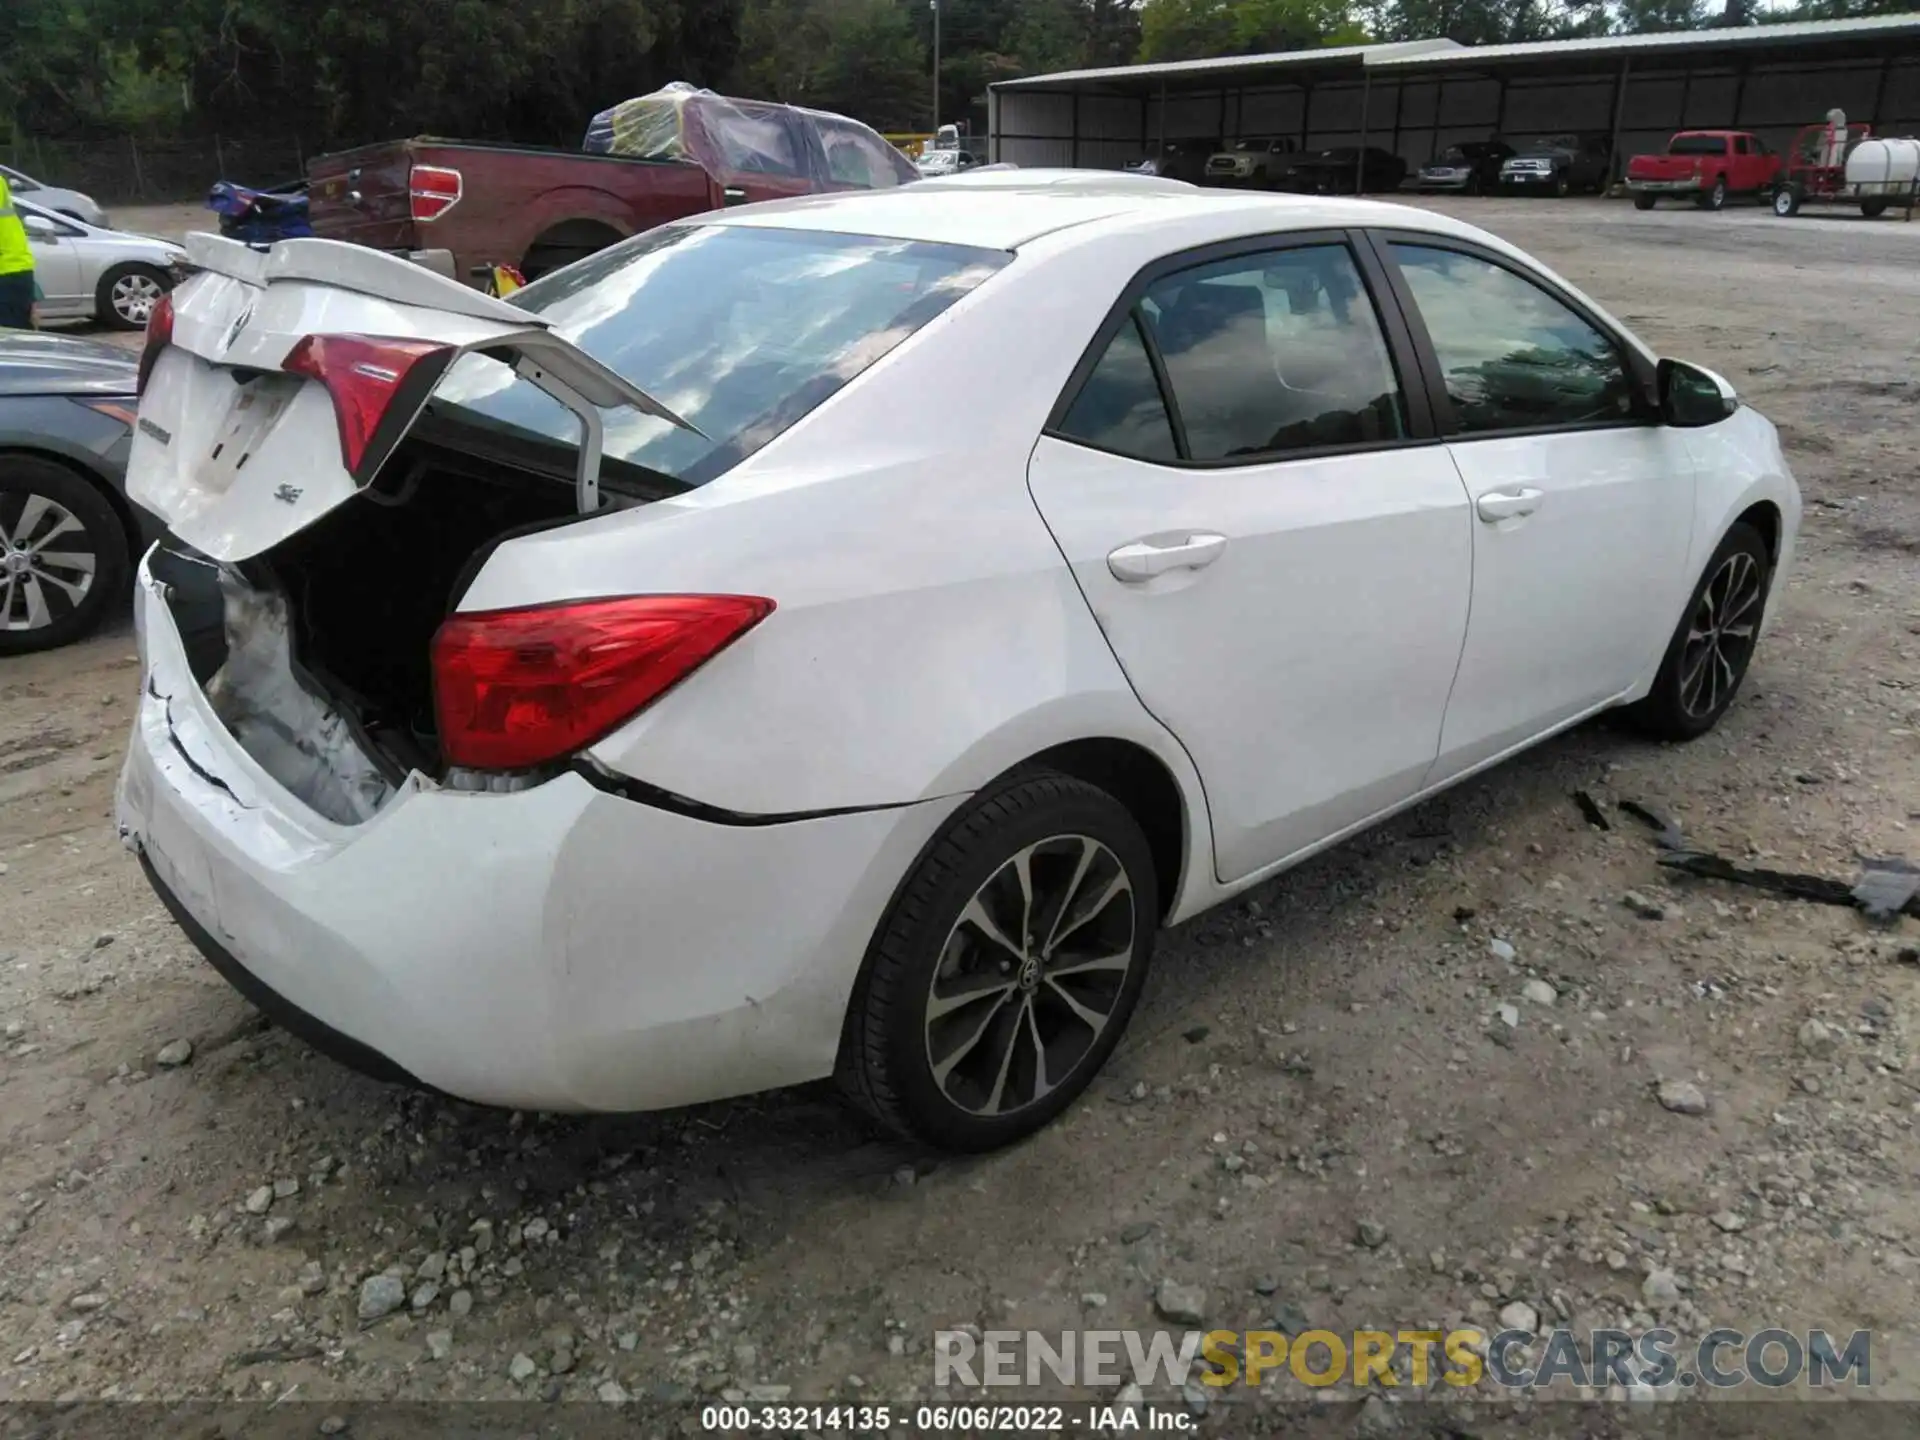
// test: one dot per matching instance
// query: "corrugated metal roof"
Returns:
(1447, 54)
(1364, 54)
(1670, 40)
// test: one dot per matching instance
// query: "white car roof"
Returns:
(996, 177)
(1005, 215)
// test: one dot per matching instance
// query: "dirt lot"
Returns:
(1346, 1044)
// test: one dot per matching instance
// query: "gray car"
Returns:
(68, 534)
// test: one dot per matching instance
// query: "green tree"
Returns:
(1490, 22)
(1647, 16)
(1193, 29)
(873, 69)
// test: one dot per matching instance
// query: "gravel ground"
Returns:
(1488, 1058)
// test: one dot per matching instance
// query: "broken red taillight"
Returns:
(432, 190)
(514, 689)
(159, 336)
(365, 374)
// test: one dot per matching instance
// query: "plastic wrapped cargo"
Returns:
(729, 136)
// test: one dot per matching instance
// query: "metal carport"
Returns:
(1416, 97)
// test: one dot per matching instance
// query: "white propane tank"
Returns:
(1833, 145)
(1888, 164)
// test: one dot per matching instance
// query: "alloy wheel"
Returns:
(1030, 975)
(47, 561)
(134, 296)
(1720, 636)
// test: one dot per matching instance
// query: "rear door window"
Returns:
(1265, 355)
(1275, 352)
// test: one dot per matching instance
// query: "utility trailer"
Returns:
(1835, 163)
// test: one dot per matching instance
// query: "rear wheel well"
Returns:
(1764, 517)
(564, 243)
(1138, 779)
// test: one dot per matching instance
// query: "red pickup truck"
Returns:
(1705, 166)
(461, 208)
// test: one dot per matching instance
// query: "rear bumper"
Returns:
(555, 948)
(1687, 186)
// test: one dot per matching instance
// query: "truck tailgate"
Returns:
(364, 196)
(1663, 167)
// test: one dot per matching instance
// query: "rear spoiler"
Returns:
(351, 267)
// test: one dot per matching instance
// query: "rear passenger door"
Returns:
(1583, 501)
(1252, 499)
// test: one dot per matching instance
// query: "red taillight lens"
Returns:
(433, 190)
(159, 336)
(363, 374)
(517, 688)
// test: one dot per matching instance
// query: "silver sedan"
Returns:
(89, 273)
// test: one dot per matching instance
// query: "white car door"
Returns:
(1583, 501)
(1275, 546)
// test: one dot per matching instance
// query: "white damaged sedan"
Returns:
(636, 695)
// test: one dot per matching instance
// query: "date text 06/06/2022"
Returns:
(934, 1419)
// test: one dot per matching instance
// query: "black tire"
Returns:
(886, 1062)
(128, 311)
(1562, 186)
(1675, 709)
(37, 608)
(1716, 197)
(1643, 202)
(1786, 201)
(1873, 209)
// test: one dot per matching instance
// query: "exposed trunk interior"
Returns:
(316, 654)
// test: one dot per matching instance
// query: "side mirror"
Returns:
(40, 225)
(1691, 397)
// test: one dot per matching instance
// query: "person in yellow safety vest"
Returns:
(16, 266)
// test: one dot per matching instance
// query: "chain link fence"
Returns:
(132, 171)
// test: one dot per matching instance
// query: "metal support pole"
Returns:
(1160, 155)
(1073, 153)
(1879, 93)
(1619, 118)
(935, 127)
(1360, 155)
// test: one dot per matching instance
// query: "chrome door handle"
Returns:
(1144, 559)
(1498, 505)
